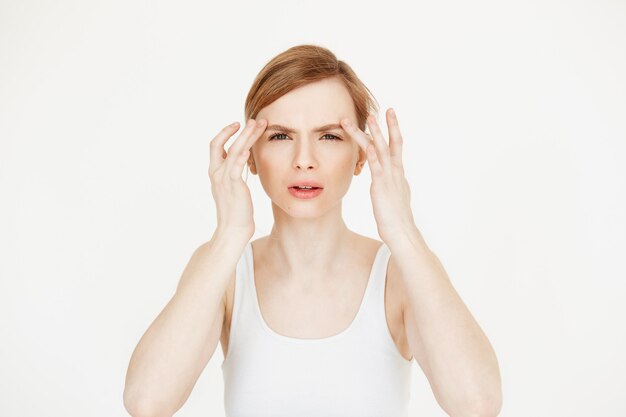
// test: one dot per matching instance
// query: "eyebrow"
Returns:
(330, 126)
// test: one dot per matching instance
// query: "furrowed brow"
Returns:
(281, 128)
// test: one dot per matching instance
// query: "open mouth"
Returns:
(305, 192)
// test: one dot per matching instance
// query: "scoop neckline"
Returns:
(345, 331)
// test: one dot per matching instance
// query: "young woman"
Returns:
(314, 319)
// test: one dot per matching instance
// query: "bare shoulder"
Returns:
(228, 300)
(394, 291)
(365, 247)
(371, 246)
(395, 303)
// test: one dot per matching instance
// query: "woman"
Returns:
(314, 319)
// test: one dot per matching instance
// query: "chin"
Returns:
(301, 209)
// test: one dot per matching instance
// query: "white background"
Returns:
(513, 115)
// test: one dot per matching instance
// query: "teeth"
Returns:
(305, 187)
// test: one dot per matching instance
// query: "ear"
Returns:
(251, 164)
(361, 160)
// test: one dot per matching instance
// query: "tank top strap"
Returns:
(241, 298)
(374, 308)
(373, 323)
(380, 269)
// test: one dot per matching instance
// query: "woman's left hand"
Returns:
(390, 192)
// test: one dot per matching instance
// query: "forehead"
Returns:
(311, 105)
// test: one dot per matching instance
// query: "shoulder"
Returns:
(394, 288)
(364, 245)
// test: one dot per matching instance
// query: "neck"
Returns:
(307, 249)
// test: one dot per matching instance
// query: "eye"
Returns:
(273, 137)
(330, 137)
(333, 136)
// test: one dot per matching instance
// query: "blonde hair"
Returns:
(301, 65)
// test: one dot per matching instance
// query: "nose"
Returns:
(304, 158)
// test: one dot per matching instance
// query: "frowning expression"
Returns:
(305, 141)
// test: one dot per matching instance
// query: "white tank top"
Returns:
(358, 372)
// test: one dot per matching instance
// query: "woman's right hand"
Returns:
(235, 215)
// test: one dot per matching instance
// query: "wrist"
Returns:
(229, 237)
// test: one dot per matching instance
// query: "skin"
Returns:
(308, 236)
(310, 256)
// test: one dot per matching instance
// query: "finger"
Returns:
(379, 141)
(244, 142)
(256, 133)
(364, 142)
(254, 127)
(239, 163)
(216, 146)
(236, 168)
(376, 168)
(395, 138)
(360, 137)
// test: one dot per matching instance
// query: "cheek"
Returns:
(345, 160)
(270, 167)
(262, 157)
(348, 164)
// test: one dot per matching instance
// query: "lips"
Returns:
(305, 194)
(306, 183)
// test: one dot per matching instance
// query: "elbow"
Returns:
(139, 410)
(485, 407)
(142, 408)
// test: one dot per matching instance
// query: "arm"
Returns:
(445, 340)
(444, 337)
(172, 353)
